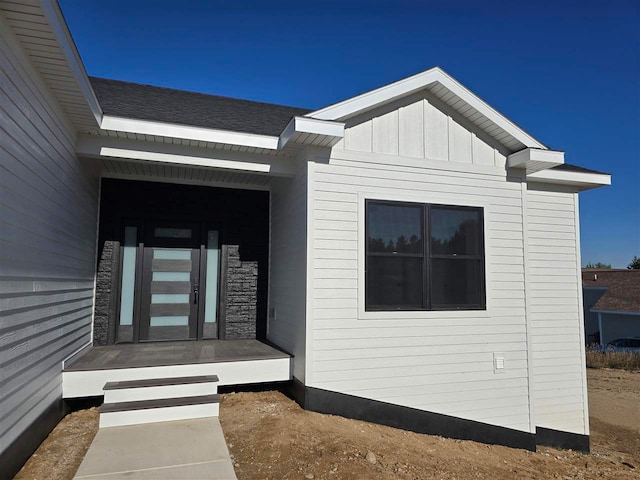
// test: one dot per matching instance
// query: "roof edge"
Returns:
(393, 91)
(58, 24)
(580, 180)
(617, 312)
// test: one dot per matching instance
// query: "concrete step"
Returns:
(160, 410)
(159, 388)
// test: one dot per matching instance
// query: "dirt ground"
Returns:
(271, 437)
(60, 455)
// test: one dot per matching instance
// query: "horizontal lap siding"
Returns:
(555, 312)
(48, 212)
(287, 287)
(439, 363)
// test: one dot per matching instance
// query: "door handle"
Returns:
(195, 294)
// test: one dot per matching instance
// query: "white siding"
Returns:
(419, 129)
(554, 289)
(48, 213)
(435, 361)
(287, 286)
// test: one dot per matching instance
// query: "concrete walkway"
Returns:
(185, 449)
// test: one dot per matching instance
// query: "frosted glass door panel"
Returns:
(171, 308)
(171, 277)
(211, 293)
(173, 254)
(128, 283)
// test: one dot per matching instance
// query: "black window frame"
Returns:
(427, 256)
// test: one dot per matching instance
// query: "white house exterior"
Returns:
(469, 326)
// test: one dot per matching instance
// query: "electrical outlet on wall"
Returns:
(498, 363)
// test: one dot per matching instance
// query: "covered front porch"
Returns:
(180, 262)
(234, 362)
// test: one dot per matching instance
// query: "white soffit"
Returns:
(311, 131)
(581, 180)
(43, 34)
(534, 160)
(447, 89)
(300, 131)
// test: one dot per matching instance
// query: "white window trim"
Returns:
(443, 199)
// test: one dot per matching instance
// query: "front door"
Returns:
(170, 290)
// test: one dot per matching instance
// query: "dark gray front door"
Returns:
(170, 303)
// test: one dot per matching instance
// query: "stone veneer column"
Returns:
(242, 295)
(104, 298)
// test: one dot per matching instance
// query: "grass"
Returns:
(610, 359)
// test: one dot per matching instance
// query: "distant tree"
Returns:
(599, 265)
(635, 264)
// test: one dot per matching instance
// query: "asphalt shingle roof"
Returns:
(567, 167)
(623, 288)
(159, 104)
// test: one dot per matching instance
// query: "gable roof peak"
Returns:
(447, 90)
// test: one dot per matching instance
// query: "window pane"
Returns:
(172, 254)
(128, 275)
(455, 231)
(167, 321)
(394, 282)
(213, 259)
(456, 282)
(394, 228)
(171, 277)
(170, 298)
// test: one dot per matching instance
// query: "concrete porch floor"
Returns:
(136, 355)
(235, 362)
(193, 449)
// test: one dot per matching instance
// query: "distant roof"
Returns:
(567, 167)
(159, 104)
(623, 288)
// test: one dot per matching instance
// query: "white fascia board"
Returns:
(98, 146)
(581, 180)
(402, 88)
(325, 128)
(161, 129)
(59, 27)
(534, 159)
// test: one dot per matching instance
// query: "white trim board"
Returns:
(535, 159)
(98, 146)
(90, 383)
(581, 180)
(173, 130)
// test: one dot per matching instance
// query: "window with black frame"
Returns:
(424, 257)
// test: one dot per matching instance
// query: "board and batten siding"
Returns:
(417, 127)
(288, 266)
(48, 220)
(555, 296)
(439, 362)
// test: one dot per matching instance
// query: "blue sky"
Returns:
(568, 72)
